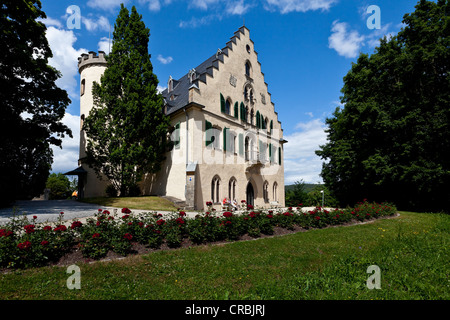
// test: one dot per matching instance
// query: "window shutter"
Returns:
(241, 144)
(177, 136)
(222, 103)
(242, 111)
(258, 120)
(225, 138)
(208, 130)
(270, 152)
(279, 156)
(271, 126)
(236, 110)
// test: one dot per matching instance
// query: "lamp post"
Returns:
(323, 197)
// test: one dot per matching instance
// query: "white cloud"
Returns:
(102, 23)
(65, 58)
(202, 4)
(237, 7)
(51, 22)
(108, 5)
(286, 6)
(300, 160)
(66, 159)
(164, 60)
(375, 35)
(160, 88)
(197, 22)
(104, 45)
(346, 43)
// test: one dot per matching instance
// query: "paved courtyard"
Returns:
(49, 211)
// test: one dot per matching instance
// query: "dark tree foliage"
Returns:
(127, 127)
(390, 141)
(31, 105)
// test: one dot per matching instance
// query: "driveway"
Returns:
(49, 211)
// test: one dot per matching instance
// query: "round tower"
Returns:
(91, 67)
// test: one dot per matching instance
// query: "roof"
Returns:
(76, 172)
(181, 86)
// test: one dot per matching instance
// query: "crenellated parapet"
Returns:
(91, 59)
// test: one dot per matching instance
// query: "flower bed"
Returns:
(25, 244)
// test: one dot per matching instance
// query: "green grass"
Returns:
(411, 250)
(151, 203)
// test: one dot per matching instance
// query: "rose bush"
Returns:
(25, 243)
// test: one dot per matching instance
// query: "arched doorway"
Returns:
(250, 194)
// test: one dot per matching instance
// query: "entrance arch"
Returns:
(250, 194)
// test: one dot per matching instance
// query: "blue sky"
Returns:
(305, 48)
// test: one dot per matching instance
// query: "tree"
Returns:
(59, 186)
(127, 127)
(296, 195)
(315, 197)
(31, 105)
(389, 141)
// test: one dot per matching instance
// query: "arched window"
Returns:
(266, 191)
(248, 68)
(232, 189)
(215, 189)
(275, 191)
(228, 106)
(246, 148)
(82, 87)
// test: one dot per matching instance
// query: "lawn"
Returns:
(411, 251)
(151, 203)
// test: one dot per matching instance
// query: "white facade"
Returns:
(228, 140)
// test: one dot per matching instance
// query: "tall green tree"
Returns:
(127, 127)
(31, 105)
(296, 195)
(390, 140)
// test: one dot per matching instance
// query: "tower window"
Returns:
(82, 87)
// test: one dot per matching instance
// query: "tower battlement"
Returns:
(91, 59)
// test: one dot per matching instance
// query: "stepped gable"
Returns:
(181, 86)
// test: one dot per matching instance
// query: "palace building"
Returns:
(228, 141)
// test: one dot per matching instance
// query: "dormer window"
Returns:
(170, 84)
(192, 75)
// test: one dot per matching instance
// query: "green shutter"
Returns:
(279, 155)
(236, 110)
(271, 126)
(243, 111)
(270, 152)
(208, 130)
(222, 103)
(225, 130)
(258, 120)
(177, 136)
(241, 144)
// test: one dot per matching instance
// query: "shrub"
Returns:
(23, 243)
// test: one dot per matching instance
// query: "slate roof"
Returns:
(181, 86)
